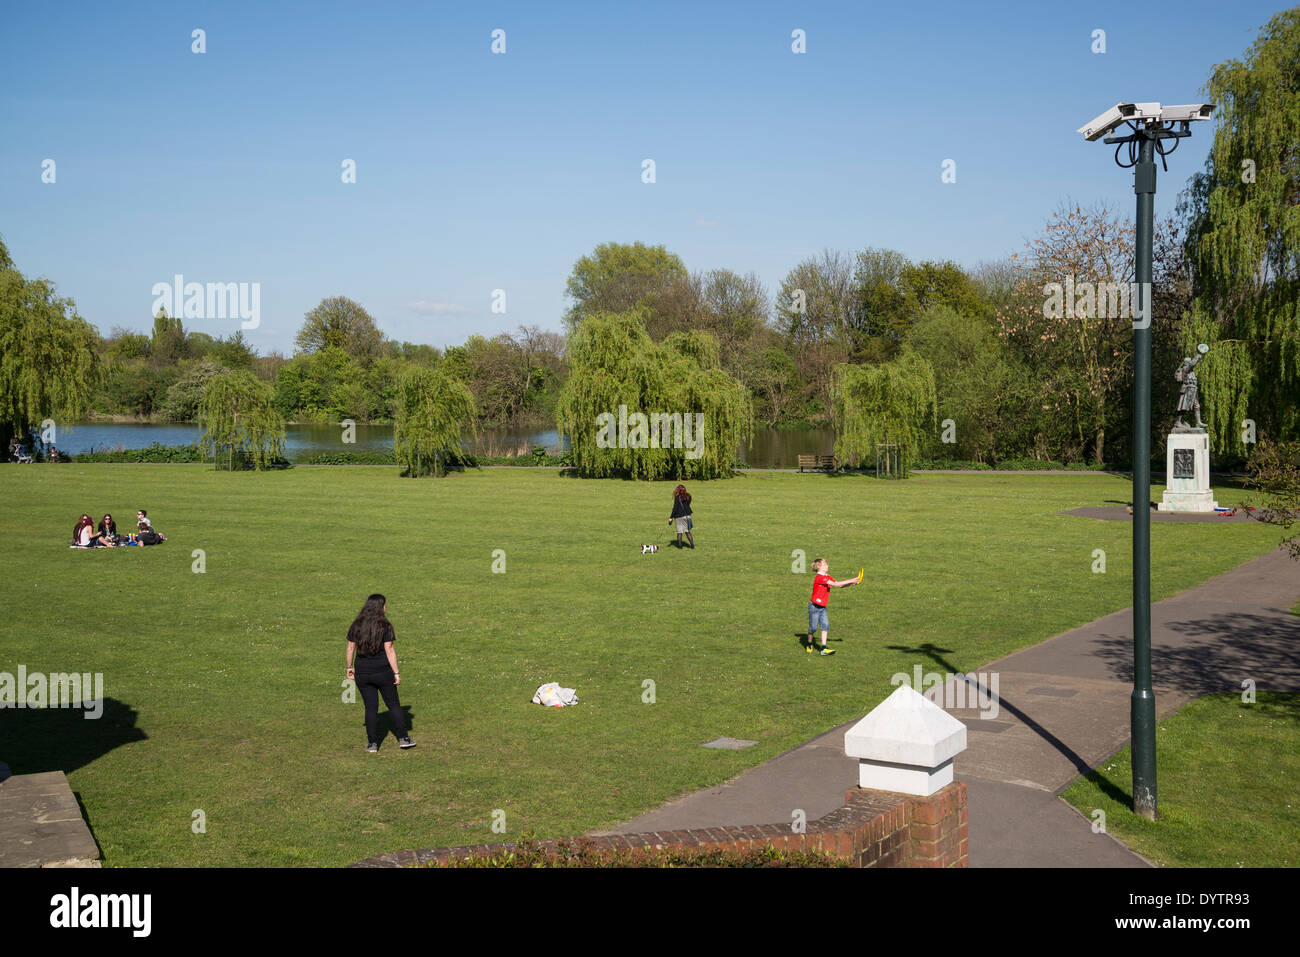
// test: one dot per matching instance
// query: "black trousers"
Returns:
(372, 684)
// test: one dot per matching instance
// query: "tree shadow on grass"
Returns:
(1219, 652)
(34, 740)
(936, 653)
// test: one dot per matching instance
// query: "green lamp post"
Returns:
(1151, 125)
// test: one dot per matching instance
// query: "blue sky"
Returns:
(478, 172)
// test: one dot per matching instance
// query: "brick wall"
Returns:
(872, 829)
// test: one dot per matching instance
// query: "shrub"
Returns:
(352, 457)
(155, 452)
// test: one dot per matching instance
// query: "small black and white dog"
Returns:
(646, 549)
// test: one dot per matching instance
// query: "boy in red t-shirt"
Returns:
(822, 585)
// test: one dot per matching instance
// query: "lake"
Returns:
(771, 448)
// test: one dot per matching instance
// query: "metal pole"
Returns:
(1143, 702)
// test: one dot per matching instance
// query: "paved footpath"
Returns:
(1063, 707)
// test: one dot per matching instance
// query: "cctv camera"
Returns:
(1186, 113)
(1117, 114)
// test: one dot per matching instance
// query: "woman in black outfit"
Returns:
(682, 515)
(108, 530)
(371, 639)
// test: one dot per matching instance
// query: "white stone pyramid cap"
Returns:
(906, 728)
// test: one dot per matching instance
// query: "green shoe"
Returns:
(827, 651)
(808, 647)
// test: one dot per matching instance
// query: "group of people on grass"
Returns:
(87, 535)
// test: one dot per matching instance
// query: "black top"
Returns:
(379, 660)
(681, 507)
(376, 662)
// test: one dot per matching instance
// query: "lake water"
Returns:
(771, 448)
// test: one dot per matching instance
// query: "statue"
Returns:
(1188, 400)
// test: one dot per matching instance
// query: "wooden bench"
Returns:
(816, 462)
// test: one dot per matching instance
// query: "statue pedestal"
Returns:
(1187, 473)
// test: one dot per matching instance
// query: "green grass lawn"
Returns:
(1234, 764)
(225, 687)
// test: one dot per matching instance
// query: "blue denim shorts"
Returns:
(817, 619)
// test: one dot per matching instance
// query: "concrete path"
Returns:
(1051, 712)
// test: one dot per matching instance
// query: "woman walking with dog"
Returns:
(682, 515)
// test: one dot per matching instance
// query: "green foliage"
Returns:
(614, 363)
(433, 411)
(340, 323)
(128, 345)
(884, 302)
(325, 386)
(181, 404)
(239, 418)
(617, 277)
(351, 457)
(233, 352)
(1243, 239)
(891, 403)
(773, 377)
(49, 364)
(978, 385)
(169, 344)
(133, 388)
(154, 452)
(1274, 470)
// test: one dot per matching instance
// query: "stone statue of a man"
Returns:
(1188, 397)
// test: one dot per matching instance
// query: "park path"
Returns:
(1063, 707)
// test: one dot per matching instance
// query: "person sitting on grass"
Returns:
(371, 639)
(821, 593)
(145, 534)
(682, 515)
(108, 530)
(84, 533)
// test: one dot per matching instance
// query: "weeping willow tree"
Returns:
(1243, 242)
(891, 404)
(239, 418)
(48, 363)
(651, 411)
(433, 410)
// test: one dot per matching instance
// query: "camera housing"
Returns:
(1121, 113)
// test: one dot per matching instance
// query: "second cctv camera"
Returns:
(1117, 114)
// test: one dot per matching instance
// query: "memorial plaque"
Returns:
(1184, 464)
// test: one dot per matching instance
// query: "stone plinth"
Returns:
(906, 744)
(41, 824)
(1187, 473)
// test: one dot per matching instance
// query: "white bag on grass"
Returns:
(553, 696)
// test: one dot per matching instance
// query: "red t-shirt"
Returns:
(821, 590)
